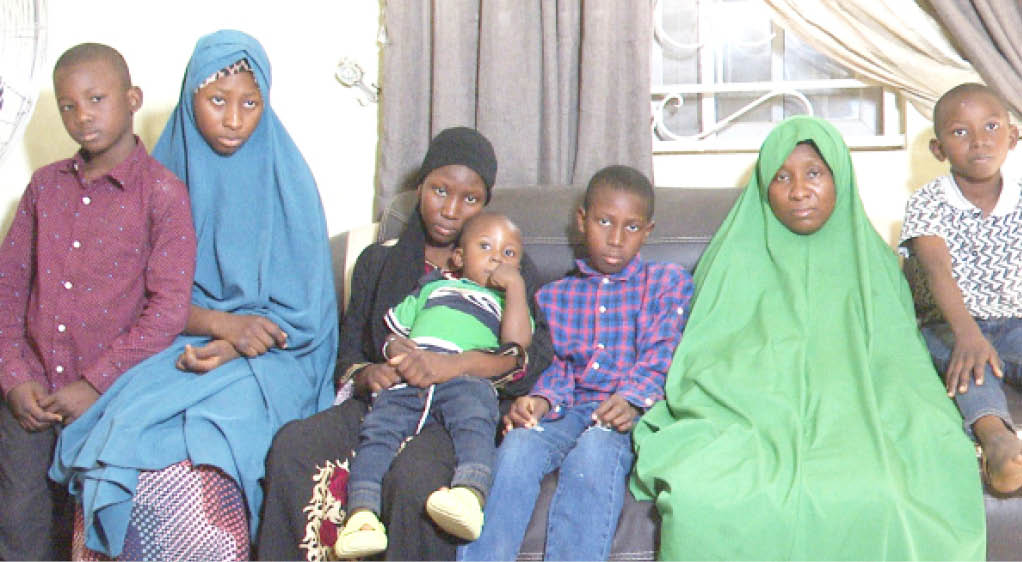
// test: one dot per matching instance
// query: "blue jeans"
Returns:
(594, 465)
(467, 408)
(987, 399)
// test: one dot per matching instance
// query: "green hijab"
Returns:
(804, 419)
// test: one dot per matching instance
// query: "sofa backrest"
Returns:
(686, 219)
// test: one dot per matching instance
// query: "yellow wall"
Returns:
(304, 40)
(886, 177)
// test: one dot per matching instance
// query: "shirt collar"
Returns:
(1011, 190)
(123, 175)
(629, 270)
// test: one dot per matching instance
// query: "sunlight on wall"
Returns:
(304, 39)
(886, 177)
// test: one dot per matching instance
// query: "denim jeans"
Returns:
(594, 464)
(1005, 334)
(467, 408)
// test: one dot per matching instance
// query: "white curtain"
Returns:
(893, 42)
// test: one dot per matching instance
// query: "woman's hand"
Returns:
(397, 345)
(251, 335)
(423, 368)
(208, 357)
(375, 378)
(969, 358)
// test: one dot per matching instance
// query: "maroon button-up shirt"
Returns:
(94, 275)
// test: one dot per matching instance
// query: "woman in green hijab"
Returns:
(804, 419)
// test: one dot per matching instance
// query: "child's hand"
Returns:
(24, 403)
(252, 335)
(505, 277)
(526, 411)
(969, 357)
(376, 378)
(616, 412)
(206, 358)
(71, 401)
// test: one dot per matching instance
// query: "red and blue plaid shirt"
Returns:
(613, 333)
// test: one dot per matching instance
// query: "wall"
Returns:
(304, 39)
(886, 177)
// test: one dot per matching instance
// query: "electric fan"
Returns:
(22, 54)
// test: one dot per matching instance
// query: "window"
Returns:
(723, 74)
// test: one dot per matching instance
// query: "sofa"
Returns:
(685, 221)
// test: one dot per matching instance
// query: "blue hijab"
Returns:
(263, 250)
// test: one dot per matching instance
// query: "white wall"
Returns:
(886, 177)
(304, 40)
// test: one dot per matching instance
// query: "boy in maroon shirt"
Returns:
(95, 275)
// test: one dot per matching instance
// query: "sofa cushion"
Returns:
(685, 221)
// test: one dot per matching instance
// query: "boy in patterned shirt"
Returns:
(95, 276)
(615, 322)
(487, 307)
(962, 236)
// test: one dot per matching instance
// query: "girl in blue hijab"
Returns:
(261, 340)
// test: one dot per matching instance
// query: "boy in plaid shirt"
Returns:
(615, 322)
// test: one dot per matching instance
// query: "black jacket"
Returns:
(384, 275)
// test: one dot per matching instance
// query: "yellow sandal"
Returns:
(356, 542)
(457, 511)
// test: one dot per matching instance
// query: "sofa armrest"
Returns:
(345, 249)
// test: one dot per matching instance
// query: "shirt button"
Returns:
(76, 244)
(86, 200)
(649, 401)
(600, 346)
(61, 327)
(602, 309)
(596, 366)
(59, 369)
(68, 285)
(605, 281)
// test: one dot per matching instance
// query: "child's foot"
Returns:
(363, 535)
(457, 510)
(1002, 461)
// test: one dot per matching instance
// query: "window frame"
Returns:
(891, 134)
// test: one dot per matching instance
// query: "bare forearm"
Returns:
(948, 298)
(515, 325)
(205, 322)
(936, 261)
(482, 365)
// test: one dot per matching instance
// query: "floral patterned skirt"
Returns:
(180, 513)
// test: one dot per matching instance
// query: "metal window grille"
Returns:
(723, 74)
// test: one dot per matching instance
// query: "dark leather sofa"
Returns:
(685, 221)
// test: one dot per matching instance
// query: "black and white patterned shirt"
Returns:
(986, 252)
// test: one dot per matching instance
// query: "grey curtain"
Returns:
(989, 34)
(561, 87)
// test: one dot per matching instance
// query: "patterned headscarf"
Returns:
(229, 70)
